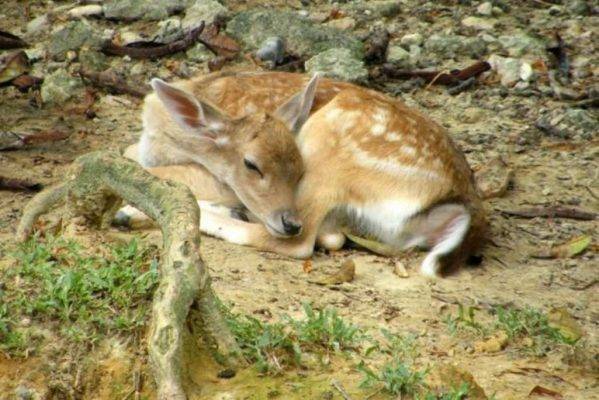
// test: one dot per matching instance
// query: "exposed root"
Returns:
(94, 186)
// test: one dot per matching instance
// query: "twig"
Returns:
(12, 140)
(19, 184)
(552, 212)
(154, 50)
(10, 41)
(440, 78)
(460, 87)
(112, 82)
(337, 385)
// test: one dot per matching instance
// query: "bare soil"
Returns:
(486, 124)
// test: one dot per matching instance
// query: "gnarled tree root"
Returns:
(92, 190)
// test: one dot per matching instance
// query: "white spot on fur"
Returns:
(250, 108)
(388, 165)
(392, 137)
(378, 129)
(333, 114)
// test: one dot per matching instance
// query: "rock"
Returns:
(168, 30)
(93, 60)
(38, 25)
(569, 122)
(203, 10)
(199, 53)
(400, 270)
(152, 10)
(482, 24)
(273, 50)
(412, 38)
(520, 44)
(374, 9)
(578, 7)
(397, 54)
(339, 64)
(128, 37)
(346, 23)
(485, 9)
(449, 46)
(72, 36)
(24, 393)
(493, 344)
(302, 37)
(85, 11)
(494, 178)
(511, 70)
(59, 87)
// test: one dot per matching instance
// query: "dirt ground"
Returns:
(487, 123)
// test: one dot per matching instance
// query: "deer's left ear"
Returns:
(295, 112)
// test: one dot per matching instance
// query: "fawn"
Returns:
(311, 159)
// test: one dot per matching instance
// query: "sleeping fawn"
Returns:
(311, 159)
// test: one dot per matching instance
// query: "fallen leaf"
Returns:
(400, 270)
(445, 377)
(543, 391)
(346, 273)
(219, 43)
(307, 266)
(494, 178)
(10, 41)
(566, 250)
(560, 319)
(13, 65)
(493, 344)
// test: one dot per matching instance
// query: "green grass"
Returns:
(57, 282)
(517, 323)
(395, 377)
(275, 346)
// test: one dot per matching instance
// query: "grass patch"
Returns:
(85, 295)
(274, 346)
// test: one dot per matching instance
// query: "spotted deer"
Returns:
(311, 159)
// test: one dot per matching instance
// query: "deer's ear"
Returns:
(295, 112)
(189, 112)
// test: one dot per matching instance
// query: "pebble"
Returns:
(343, 24)
(397, 54)
(412, 38)
(483, 24)
(485, 8)
(85, 11)
(273, 50)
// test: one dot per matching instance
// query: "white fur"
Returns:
(453, 237)
(225, 228)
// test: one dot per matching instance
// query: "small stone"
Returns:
(555, 10)
(494, 178)
(339, 64)
(168, 30)
(93, 60)
(24, 393)
(400, 270)
(38, 25)
(521, 43)
(152, 10)
(59, 87)
(578, 7)
(375, 9)
(273, 50)
(485, 8)
(483, 24)
(128, 37)
(507, 68)
(199, 53)
(493, 344)
(526, 71)
(203, 10)
(85, 11)
(72, 36)
(397, 54)
(546, 191)
(343, 24)
(449, 46)
(412, 38)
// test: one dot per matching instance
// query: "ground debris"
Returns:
(566, 250)
(494, 178)
(493, 344)
(151, 50)
(552, 212)
(114, 83)
(545, 392)
(219, 43)
(437, 77)
(10, 140)
(10, 41)
(13, 65)
(561, 319)
(19, 184)
(346, 273)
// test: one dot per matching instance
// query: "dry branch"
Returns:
(18, 184)
(112, 82)
(440, 78)
(552, 212)
(10, 41)
(153, 50)
(92, 190)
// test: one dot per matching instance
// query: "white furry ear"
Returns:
(189, 112)
(295, 112)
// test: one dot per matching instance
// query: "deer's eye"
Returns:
(252, 167)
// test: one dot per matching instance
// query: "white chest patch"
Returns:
(384, 220)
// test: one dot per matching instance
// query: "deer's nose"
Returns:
(291, 223)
